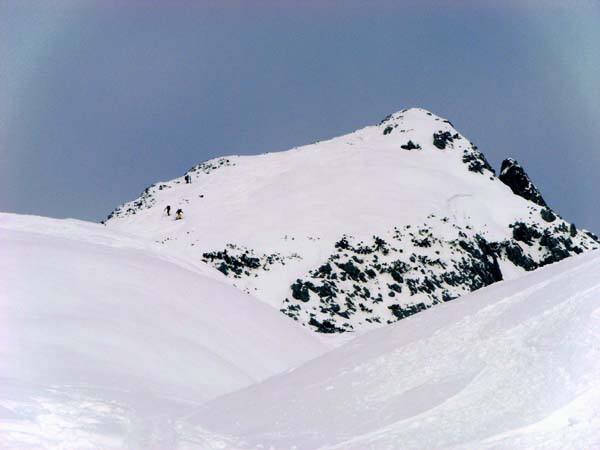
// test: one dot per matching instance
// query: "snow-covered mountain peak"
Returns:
(359, 230)
(416, 125)
(507, 164)
(417, 119)
(409, 115)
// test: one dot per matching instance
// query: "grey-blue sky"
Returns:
(99, 99)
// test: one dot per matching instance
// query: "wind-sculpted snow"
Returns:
(102, 333)
(108, 341)
(514, 365)
(275, 224)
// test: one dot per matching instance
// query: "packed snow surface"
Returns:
(111, 342)
(100, 332)
(515, 365)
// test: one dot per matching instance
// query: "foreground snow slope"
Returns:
(514, 365)
(361, 230)
(89, 313)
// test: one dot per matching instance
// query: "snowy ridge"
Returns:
(110, 342)
(360, 230)
(513, 365)
(99, 330)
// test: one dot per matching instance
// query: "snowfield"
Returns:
(515, 365)
(108, 341)
(99, 331)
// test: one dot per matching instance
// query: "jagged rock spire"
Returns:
(514, 176)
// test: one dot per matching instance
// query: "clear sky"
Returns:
(99, 99)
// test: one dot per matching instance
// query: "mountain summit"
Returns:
(359, 230)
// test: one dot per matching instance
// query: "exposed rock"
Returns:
(410, 145)
(442, 139)
(476, 161)
(385, 281)
(515, 177)
(573, 230)
(548, 215)
(523, 232)
(238, 261)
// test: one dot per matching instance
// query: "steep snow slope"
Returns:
(514, 365)
(100, 331)
(360, 230)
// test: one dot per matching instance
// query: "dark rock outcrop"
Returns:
(515, 177)
(382, 281)
(442, 139)
(410, 145)
(476, 161)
